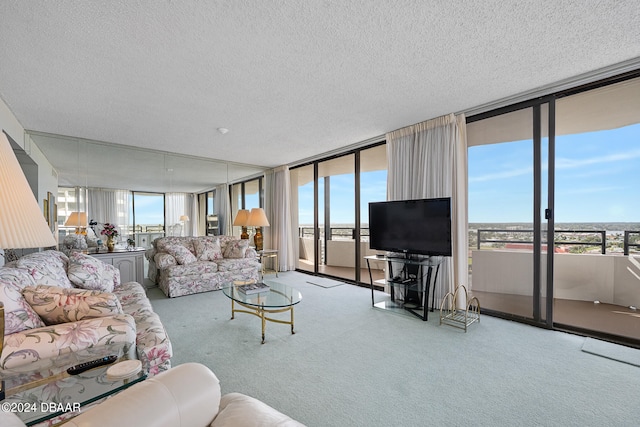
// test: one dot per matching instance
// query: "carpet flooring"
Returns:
(350, 364)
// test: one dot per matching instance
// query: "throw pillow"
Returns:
(17, 276)
(87, 272)
(46, 268)
(18, 314)
(236, 248)
(62, 305)
(207, 250)
(181, 254)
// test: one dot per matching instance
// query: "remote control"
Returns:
(80, 368)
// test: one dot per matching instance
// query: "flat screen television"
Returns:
(421, 227)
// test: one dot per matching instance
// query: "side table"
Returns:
(129, 262)
(47, 392)
(269, 253)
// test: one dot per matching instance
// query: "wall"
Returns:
(613, 279)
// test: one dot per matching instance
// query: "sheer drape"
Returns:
(194, 215)
(278, 210)
(174, 207)
(429, 160)
(177, 205)
(201, 226)
(223, 209)
(112, 206)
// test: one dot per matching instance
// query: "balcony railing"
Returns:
(347, 233)
(629, 242)
(516, 236)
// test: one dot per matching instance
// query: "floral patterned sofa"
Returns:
(57, 304)
(188, 265)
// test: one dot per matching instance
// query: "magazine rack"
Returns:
(451, 315)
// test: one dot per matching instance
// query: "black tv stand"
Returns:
(416, 278)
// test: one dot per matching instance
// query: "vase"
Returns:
(110, 244)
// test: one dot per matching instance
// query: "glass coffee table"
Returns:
(44, 390)
(279, 298)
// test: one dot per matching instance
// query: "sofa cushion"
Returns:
(47, 268)
(87, 272)
(57, 305)
(18, 314)
(236, 248)
(207, 250)
(181, 254)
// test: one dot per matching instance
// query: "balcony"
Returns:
(596, 274)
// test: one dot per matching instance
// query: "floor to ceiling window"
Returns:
(553, 211)
(507, 159)
(373, 188)
(336, 186)
(302, 196)
(148, 217)
(596, 269)
(332, 199)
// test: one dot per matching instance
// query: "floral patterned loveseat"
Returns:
(188, 265)
(57, 304)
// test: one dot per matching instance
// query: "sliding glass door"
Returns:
(597, 273)
(336, 187)
(509, 211)
(332, 198)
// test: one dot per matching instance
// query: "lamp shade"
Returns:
(257, 218)
(241, 218)
(22, 223)
(184, 218)
(77, 219)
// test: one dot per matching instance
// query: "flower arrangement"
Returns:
(109, 230)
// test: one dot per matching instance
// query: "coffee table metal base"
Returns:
(260, 312)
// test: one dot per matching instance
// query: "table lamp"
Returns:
(258, 219)
(79, 221)
(241, 221)
(184, 219)
(22, 224)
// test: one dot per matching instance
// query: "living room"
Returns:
(294, 131)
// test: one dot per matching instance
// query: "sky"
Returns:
(597, 180)
(149, 209)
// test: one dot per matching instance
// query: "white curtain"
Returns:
(112, 206)
(223, 209)
(177, 205)
(201, 226)
(278, 210)
(174, 207)
(193, 213)
(429, 160)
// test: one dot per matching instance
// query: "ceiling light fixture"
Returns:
(223, 130)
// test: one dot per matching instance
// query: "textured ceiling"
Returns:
(291, 79)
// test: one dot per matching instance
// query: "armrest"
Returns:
(187, 395)
(251, 253)
(164, 260)
(1, 327)
(150, 253)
